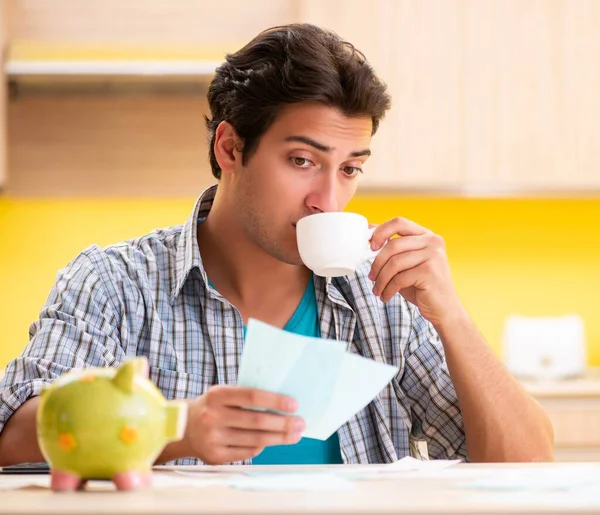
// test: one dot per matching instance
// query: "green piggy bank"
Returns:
(106, 423)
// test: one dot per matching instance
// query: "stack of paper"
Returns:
(329, 384)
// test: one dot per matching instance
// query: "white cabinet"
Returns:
(574, 409)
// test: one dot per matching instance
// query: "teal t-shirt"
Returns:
(308, 451)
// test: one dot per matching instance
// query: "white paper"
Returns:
(565, 500)
(292, 481)
(159, 482)
(539, 479)
(18, 481)
(409, 463)
(405, 467)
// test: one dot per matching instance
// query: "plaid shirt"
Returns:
(151, 297)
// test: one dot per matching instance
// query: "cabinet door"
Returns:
(153, 28)
(415, 48)
(532, 109)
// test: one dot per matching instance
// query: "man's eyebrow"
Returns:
(358, 153)
(324, 148)
(311, 142)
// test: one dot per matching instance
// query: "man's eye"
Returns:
(300, 162)
(352, 171)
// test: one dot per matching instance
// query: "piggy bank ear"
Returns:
(125, 377)
(141, 366)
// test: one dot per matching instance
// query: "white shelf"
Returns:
(107, 68)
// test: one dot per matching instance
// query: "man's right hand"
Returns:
(220, 429)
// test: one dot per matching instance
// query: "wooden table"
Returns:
(403, 495)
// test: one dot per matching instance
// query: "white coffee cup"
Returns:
(334, 244)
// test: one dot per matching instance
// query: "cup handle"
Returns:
(372, 253)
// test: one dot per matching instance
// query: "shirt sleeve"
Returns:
(77, 328)
(436, 415)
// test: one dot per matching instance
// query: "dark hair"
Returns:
(285, 65)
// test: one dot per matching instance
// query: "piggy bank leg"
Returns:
(147, 478)
(64, 481)
(131, 480)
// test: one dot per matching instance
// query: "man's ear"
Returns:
(228, 147)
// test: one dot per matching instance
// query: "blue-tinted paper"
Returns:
(329, 384)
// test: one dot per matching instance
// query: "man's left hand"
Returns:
(416, 266)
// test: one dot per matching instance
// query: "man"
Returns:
(292, 115)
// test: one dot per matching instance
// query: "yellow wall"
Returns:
(533, 257)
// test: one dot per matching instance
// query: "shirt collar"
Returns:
(188, 252)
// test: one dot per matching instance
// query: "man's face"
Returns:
(307, 162)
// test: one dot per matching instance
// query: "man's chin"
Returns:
(294, 261)
(287, 252)
(290, 258)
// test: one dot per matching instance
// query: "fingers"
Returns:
(260, 421)
(257, 439)
(401, 281)
(393, 275)
(232, 454)
(395, 247)
(227, 444)
(237, 397)
(395, 227)
(225, 428)
(424, 256)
